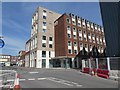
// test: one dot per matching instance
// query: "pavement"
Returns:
(60, 78)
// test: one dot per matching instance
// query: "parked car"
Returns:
(2, 64)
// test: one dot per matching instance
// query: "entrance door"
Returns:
(43, 63)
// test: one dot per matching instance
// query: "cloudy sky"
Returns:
(16, 19)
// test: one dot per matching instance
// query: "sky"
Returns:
(16, 19)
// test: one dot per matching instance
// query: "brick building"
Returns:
(72, 33)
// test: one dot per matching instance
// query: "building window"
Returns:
(74, 30)
(50, 38)
(81, 45)
(74, 36)
(89, 34)
(43, 44)
(44, 38)
(85, 39)
(69, 51)
(85, 45)
(44, 23)
(50, 45)
(68, 20)
(75, 51)
(69, 43)
(75, 44)
(69, 36)
(84, 32)
(44, 30)
(49, 54)
(80, 31)
(44, 11)
(43, 53)
(79, 24)
(73, 22)
(90, 46)
(44, 17)
(80, 38)
(68, 27)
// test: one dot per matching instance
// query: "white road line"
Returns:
(31, 79)
(11, 80)
(33, 72)
(41, 78)
(22, 79)
(59, 82)
(79, 85)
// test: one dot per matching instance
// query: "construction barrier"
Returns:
(86, 70)
(103, 73)
(8, 79)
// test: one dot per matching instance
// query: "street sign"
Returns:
(1, 43)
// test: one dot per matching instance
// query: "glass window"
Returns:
(85, 39)
(68, 20)
(75, 51)
(81, 44)
(44, 17)
(73, 22)
(69, 51)
(50, 45)
(44, 23)
(69, 43)
(80, 38)
(44, 30)
(85, 45)
(43, 44)
(68, 27)
(75, 44)
(43, 53)
(80, 31)
(74, 30)
(44, 38)
(44, 11)
(49, 54)
(74, 36)
(69, 36)
(50, 38)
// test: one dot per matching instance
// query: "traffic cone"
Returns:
(92, 73)
(17, 85)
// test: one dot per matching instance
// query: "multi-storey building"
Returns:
(40, 47)
(72, 33)
(6, 59)
(110, 12)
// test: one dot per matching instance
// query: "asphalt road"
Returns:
(60, 78)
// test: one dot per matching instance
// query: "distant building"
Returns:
(14, 59)
(6, 59)
(72, 33)
(21, 59)
(40, 46)
(110, 12)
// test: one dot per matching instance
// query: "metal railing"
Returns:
(7, 78)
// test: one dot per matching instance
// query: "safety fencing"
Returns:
(102, 67)
(9, 79)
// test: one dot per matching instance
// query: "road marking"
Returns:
(41, 78)
(22, 79)
(33, 72)
(79, 85)
(11, 80)
(31, 79)
(59, 81)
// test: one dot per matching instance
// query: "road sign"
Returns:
(1, 43)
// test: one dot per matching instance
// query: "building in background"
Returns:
(14, 60)
(110, 12)
(21, 59)
(40, 46)
(5, 59)
(72, 33)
